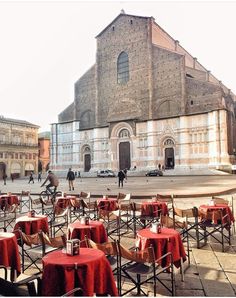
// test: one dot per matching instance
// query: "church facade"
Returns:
(146, 101)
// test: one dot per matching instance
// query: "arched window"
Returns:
(124, 133)
(122, 68)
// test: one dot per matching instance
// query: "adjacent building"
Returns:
(18, 147)
(44, 151)
(146, 101)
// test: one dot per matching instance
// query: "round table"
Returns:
(9, 199)
(89, 270)
(94, 231)
(154, 208)
(9, 253)
(64, 202)
(207, 212)
(31, 225)
(109, 204)
(167, 241)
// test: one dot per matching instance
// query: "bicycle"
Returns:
(47, 198)
(49, 194)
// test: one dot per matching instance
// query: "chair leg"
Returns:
(138, 284)
(222, 237)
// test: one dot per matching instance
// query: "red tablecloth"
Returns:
(9, 253)
(154, 208)
(64, 202)
(167, 241)
(207, 212)
(10, 199)
(94, 231)
(32, 225)
(109, 204)
(93, 274)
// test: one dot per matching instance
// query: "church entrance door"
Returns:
(169, 158)
(87, 162)
(124, 155)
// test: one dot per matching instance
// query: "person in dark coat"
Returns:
(4, 177)
(31, 178)
(121, 177)
(53, 181)
(70, 177)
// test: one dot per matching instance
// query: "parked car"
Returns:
(154, 173)
(106, 173)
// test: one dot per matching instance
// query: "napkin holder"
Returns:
(156, 228)
(212, 203)
(72, 247)
(31, 213)
(84, 220)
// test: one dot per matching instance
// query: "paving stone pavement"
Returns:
(212, 272)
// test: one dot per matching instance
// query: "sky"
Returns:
(46, 46)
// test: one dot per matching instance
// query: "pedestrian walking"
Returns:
(125, 172)
(31, 178)
(39, 176)
(121, 177)
(4, 177)
(12, 177)
(70, 177)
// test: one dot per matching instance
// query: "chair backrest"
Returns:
(135, 206)
(167, 221)
(109, 248)
(57, 242)
(58, 211)
(85, 195)
(168, 199)
(140, 256)
(218, 200)
(187, 213)
(121, 196)
(30, 240)
(76, 202)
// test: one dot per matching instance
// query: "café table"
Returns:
(64, 202)
(31, 225)
(90, 270)
(107, 204)
(210, 212)
(9, 199)
(95, 231)
(9, 253)
(168, 240)
(156, 208)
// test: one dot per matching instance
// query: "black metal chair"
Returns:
(217, 229)
(25, 201)
(141, 267)
(24, 285)
(8, 216)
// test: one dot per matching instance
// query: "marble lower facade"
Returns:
(196, 141)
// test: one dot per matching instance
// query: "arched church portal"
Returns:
(124, 150)
(87, 159)
(169, 154)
